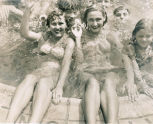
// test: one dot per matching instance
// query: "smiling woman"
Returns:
(95, 78)
(54, 55)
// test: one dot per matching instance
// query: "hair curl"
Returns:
(52, 16)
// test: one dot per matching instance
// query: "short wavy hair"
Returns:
(52, 16)
(120, 8)
(69, 5)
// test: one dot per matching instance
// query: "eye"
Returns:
(118, 14)
(90, 20)
(98, 19)
(148, 36)
(140, 36)
(54, 24)
(125, 14)
(106, 1)
(60, 23)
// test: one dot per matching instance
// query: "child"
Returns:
(72, 10)
(121, 13)
(141, 54)
(122, 18)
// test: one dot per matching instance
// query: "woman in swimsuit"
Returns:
(54, 57)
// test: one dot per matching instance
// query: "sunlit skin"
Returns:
(95, 21)
(57, 27)
(143, 38)
(122, 15)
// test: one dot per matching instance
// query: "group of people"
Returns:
(80, 52)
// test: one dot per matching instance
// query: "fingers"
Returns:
(56, 97)
(133, 93)
(149, 92)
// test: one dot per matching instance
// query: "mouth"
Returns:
(58, 31)
(95, 28)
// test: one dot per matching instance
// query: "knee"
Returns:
(30, 80)
(30, 77)
(93, 83)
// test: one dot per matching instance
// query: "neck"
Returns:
(92, 34)
(54, 39)
(141, 49)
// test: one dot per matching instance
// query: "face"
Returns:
(122, 15)
(90, 3)
(71, 15)
(106, 3)
(57, 27)
(144, 38)
(95, 21)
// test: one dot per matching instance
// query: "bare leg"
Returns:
(91, 101)
(109, 99)
(21, 98)
(41, 100)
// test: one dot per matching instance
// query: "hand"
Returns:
(76, 29)
(46, 48)
(30, 6)
(131, 89)
(57, 95)
(148, 91)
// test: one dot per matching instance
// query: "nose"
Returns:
(58, 27)
(72, 16)
(94, 23)
(122, 16)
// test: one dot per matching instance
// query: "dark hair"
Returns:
(69, 5)
(52, 16)
(120, 8)
(95, 8)
(142, 24)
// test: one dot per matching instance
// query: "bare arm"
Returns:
(66, 62)
(129, 68)
(16, 11)
(58, 91)
(146, 89)
(24, 29)
(79, 53)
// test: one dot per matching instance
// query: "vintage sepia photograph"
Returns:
(76, 61)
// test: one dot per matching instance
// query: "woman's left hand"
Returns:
(148, 91)
(131, 90)
(76, 29)
(57, 95)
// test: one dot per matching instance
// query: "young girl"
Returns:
(95, 77)
(54, 57)
(141, 54)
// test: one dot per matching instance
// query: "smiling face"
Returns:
(122, 15)
(95, 21)
(106, 3)
(143, 38)
(57, 26)
(71, 15)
